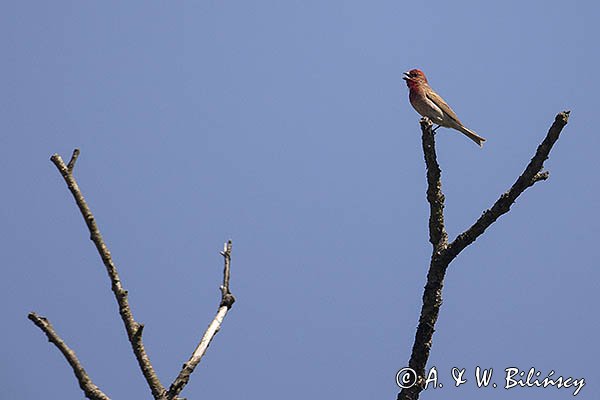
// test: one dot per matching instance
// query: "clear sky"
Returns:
(285, 126)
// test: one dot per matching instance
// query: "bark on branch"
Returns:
(227, 301)
(91, 391)
(443, 253)
(133, 328)
(533, 173)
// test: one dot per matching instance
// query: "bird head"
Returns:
(414, 76)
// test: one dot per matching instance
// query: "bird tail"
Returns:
(472, 135)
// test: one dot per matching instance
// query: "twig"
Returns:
(227, 301)
(133, 328)
(73, 160)
(444, 253)
(85, 383)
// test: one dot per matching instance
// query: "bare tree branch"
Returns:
(91, 391)
(133, 328)
(226, 303)
(432, 296)
(532, 174)
(443, 253)
(437, 231)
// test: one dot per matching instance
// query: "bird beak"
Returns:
(406, 76)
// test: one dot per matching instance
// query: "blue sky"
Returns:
(286, 127)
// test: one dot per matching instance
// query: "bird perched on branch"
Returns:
(430, 104)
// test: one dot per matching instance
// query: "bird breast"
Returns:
(427, 108)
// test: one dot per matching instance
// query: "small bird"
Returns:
(430, 104)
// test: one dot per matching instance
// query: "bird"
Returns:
(431, 105)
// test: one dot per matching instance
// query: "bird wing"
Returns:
(437, 99)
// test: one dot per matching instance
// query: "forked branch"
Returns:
(443, 253)
(134, 329)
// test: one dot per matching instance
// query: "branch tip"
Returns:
(73, 160)
(564, 116)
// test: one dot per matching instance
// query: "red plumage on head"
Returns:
(417, 73)
(415, 78)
